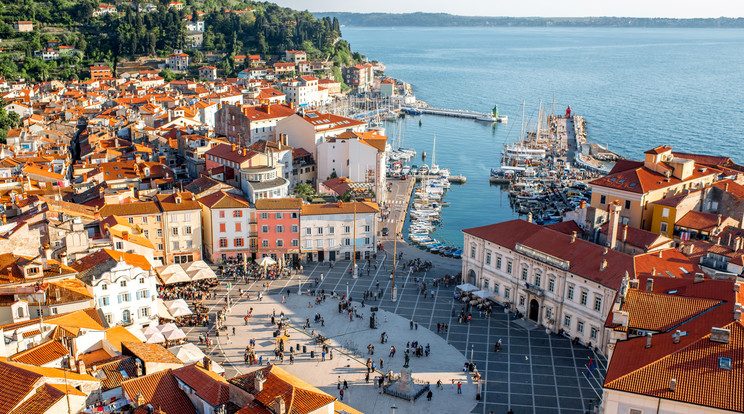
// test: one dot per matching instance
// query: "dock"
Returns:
(455, 113)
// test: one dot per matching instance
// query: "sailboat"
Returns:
(434, 169)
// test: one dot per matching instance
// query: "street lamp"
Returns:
(471, 353)
(347, 290)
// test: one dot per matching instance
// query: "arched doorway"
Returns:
(471, 277)
(534, 310)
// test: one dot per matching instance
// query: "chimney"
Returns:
(258, 382)
(207, 363)
(244, 152)
(737, 243)
(614, 211)
(233, 147)
(81, 367)
(573, 237)
(63, 257)
(649, 285)
(648, 339)
(653, 271)
(279, 407)
(699, 277)
(125, 235)
(720, 335)
(605, 251)
(725, 187)
(5, 219)
(138, 363)
(582, 204)
(96, 214)
(625, 232)
(719, 219)
(676, 336)
(737, 287)
(291, 105)
(672, 385)
(603, 265)
(529, 217)
(161, 159)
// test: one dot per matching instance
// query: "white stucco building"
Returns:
(126, 295)
(307, 129)
(354, 155)
(328, 231)
(304, 91)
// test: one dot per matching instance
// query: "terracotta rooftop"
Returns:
(16, 385)
(658, 150)
(41, 354)
(113, 372)
(43, 399)
(634, 236)
(702, 221)
(150, 353)
(731, 187)
(641, 180)
(171, 202)
(222, 199)
(279, 204)
(662, 312)
(161, 391)
(119, 334)
(339, 208)
(299, 396)
(209, 386)
(130, 209)
(666, 263)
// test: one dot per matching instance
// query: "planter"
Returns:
(548, 331)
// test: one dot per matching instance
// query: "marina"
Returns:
(424, 109)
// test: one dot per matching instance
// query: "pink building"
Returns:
(278, 225)
(226, 226)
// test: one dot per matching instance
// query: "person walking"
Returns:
(322, 356)
(459, 387)
(381, 364)
(341, 393)
(428, 395)
(346, 385)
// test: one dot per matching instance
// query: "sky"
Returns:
(542, 8)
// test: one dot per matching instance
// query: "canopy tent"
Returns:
(484, 294)
(198, 270)
(201, 274)
(266, 261)
(467, 287)
(168, 327)
(174, 335)
(150, 330)
(163, 311)
(176, 302)
(172, 274)
(178, 311)
(189, 354)
(155, 338)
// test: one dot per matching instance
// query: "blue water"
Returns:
(636, 88)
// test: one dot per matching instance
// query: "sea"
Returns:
(636, 88)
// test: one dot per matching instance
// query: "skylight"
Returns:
(633, 184)
(312, 115)
(621, 181)
(724, 363)
(613, 179)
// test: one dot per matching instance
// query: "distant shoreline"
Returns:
(450, 20)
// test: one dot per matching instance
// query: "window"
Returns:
(280, 243)
(188, 229)
(158, 219)
(222, 213)
(144, 312)
(551, 284)
(308, 244)
(602, 199)
(366, 240)
(142, 280)
(347, 242)
(570, 294)
(144, 220)
(635, 411)
(538, 279)
(665, 212)
(366, 228)
(319, 230)
(123, 283)
(109, 318)
(278, 216)
(521, 300)
(548, 313)
(280, 229)
(488, 258)
(264, 229)
(161, 246)
(594, 333)
(187, 217)
(174, 230)
(347, 229)
(174, 218)
(508, 267)
(238, 227)
(627, 204)
(146, 233)
(237, 214)
(567, 321)
(264, 243)
(131, 220)
(584, 295)
(496, 288)
(104, 301)
(319, 243)
(295, 243)
(524, 273)
(664, 227)
(507, 291)
(119, 245)
(498, 262)
(598, 303)
(176, 246)
(295, 229)
(238, 242)
(265, 216)
(485, 284)
(104, 287)
(160, 234)
(580, 327)
(126, 316)
(294, 215)
(308, 231)
(331, 230)
(223, 242)
(472, 252)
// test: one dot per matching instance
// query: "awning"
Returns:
(178, 311)
(163, 311)
(155, 338)
(484, 294)
(189, 354)
(266, 261)
(467, 287)
(174, 335)
(172, 274)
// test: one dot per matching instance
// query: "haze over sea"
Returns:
(636, 88)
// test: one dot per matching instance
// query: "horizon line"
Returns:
(533, 17)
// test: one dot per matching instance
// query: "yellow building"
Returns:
(635, 185)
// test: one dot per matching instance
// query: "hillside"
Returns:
(68, 36)
(447, 20)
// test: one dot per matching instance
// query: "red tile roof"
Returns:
(209, 386)
(731, 187)
(662, 312)
(161, 391)
(339, 208)
(42, 354)
(226, 152)
(642, 180)
(16, 385)
(636, 237)
(666, 263)
(658, 150)
(42, 401)
(279, 204)
(702, 221)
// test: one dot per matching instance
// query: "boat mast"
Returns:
(354, 266)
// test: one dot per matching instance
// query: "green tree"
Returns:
(168, 75)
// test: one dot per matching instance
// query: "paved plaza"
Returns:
(533, 373)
